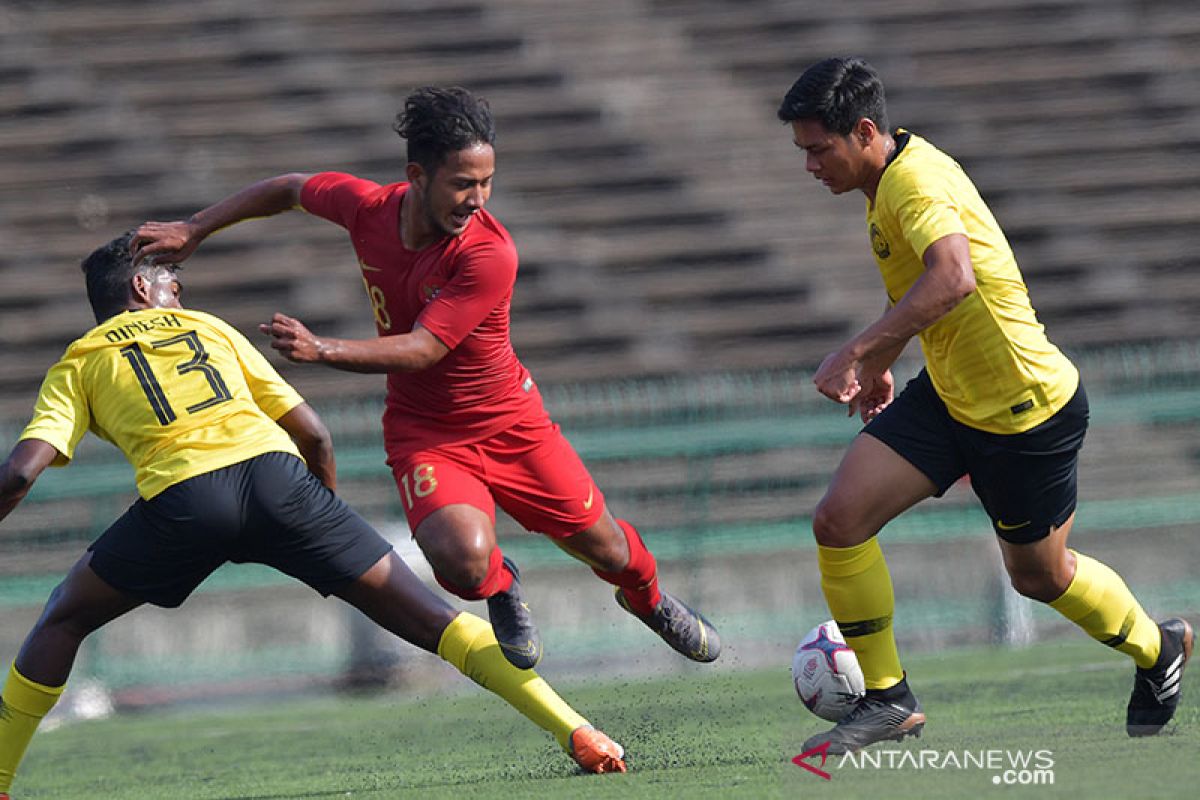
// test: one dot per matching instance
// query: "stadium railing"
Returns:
(717, 470)
(679, 432)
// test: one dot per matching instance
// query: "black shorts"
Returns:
(268, 510)
(1026, 481)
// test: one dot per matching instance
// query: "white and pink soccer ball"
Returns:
(826, 673)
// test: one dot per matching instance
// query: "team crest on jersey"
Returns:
(429, 291)
(878, 243)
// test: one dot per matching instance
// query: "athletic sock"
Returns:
(469, 645)
(498, 579)
(639, 580)
(23, 704)
(858, 589)
(1099, 602)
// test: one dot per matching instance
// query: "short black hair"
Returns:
(837, 92)
(437, 122)
(108, 271)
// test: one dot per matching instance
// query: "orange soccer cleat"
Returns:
(595, 752)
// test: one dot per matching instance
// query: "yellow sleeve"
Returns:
(271, 393)
(926, 211)
(60, 416)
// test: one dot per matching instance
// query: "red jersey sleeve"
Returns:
(336, 196)
(485, 277)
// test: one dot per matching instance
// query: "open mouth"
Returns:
(460, 219)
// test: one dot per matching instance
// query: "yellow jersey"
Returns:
(179, 392)
(989, 358)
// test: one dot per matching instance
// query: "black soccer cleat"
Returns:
(882, 715)
(1156, 690)
(513, 624)
(685, 630)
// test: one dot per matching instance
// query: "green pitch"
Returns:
(702, 733)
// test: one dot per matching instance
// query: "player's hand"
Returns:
(876, 395)
(837, 378)
(164, 242)
(292, 339)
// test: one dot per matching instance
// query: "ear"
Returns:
(865, 131)
(139, 288)
(414, 172)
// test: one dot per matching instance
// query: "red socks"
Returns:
(639, 579)
(498, 579)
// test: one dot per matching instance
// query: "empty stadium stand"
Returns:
(666, 226)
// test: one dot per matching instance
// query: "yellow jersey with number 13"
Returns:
(179, 392)
(989, 358)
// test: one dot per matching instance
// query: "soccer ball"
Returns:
(826, 673)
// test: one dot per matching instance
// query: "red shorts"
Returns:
(530, 470)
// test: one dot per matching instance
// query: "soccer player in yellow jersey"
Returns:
(216, 438)
(996, 401)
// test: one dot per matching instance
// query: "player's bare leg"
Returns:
(872, 485)
(396, 599)
(615, 552)
(1041, 570)
(79, 605)
(459, 541)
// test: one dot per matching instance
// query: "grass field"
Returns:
(703, 734)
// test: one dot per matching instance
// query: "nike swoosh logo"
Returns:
(1004, 526)
(527, 649)
(368, 268)
(587, 504)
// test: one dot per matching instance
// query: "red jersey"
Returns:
(459, 289)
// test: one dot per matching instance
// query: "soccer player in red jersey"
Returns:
(464, 426)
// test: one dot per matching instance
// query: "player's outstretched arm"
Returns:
(408, 352)
(22, 467)
(175, 241)
(314, 442)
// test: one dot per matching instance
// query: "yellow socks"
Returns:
(1099, 602)
(858, 589)
(22, 706)
(469, 644)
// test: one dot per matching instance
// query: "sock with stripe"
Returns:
(858, 589)
(1098, 601)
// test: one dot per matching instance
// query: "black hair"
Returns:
(109, 270)
(437, 122)
(837, 92)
